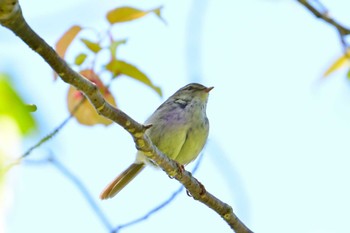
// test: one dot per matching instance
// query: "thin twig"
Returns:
(77, 183)
(43, 140)
(89, 198)
(83, 190)
(323, 14)
(46, 138)
(54, 132)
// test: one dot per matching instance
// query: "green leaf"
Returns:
(114, 45)
(125, 14)
(13, 106)
(80, 58)
(31, 107)
(94, 47)
(121, 67)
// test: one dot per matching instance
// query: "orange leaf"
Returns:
(64, 42)
(66, 39)
(342, 61)
(125, 14)
(86, 114)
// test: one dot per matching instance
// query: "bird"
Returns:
(179, 129)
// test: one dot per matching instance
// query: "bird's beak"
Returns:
(208, 89)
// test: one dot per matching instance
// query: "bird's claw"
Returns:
(179, 171)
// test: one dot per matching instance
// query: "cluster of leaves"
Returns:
(81, 109)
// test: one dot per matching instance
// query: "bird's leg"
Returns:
(179, 172)
(180, 168)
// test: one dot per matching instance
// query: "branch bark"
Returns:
(343, 31)
(11, 17)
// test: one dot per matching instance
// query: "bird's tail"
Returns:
(122, 180)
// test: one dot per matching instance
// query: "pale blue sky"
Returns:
(278, 144)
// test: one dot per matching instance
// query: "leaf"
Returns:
(114, 45)
(80, 59)
(12, 105)
(125, 14)
(64, 42)
(338, 64)
(31, 107)
(114, 67)
(94, 47)
(85, 113)
(66, 39)
(121, 67)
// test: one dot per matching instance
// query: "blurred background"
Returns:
(279, 138)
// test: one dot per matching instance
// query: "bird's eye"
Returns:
(190, 88)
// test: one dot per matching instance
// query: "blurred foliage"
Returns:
(63, 44)
(15, 122)
(340, 62)
(82, 110)
(115, 67)
(118, 67)
(12, 105)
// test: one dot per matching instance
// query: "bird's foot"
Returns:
(179, 171)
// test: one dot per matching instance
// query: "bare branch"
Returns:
(13, 20)
(51, 159)
(323, 14)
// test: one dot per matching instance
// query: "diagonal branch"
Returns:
(323, 14)
(12, 18)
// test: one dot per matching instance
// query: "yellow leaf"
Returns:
(80, 59)
(121, 67)
(114, 45)
(114, 67)
(338, 64)
(125, 14)
(66, 39)
(94, 47)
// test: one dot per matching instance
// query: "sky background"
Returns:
(278, 143)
